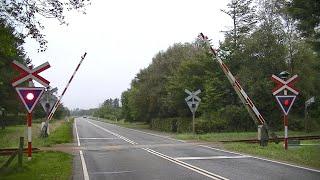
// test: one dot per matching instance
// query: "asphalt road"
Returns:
(111, 152)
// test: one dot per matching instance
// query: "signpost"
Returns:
(193, 104)
(47, 102)
(306, 105)
(284, 98)
(30, 95)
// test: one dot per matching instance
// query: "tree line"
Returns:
(267, 37)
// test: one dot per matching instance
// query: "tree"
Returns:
(308, 15)
(24, 14)
(244, 19)
(10, 48)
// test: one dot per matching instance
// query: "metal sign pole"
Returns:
(193, 127)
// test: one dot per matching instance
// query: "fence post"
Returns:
(20, 154)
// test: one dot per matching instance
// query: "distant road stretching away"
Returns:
(108, 151)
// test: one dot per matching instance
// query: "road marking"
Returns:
(75, 124)
(115, 134)
(181, 163)
(83, 162)
(186, 165)
(113, 172)
(211, 157)
(157, 135)
(287, 164)
(84, 167)
(97, 138)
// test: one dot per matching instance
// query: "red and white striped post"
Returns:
(56, 105)
(285, 122)
(29, 123)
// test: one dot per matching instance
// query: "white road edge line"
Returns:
(75, 124)
(113, 172)
(186, 165)
(263, 159)
(181, 163)
(157, 135)
(83, 162)
(210, 157)
(84, 167)
(97, 138)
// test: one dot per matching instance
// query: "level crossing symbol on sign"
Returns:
(285, 95)
(48, 99)
(26, 74)
(287, 98)
(30, 95)
(193, 100)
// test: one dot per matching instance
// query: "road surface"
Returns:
(108, 151)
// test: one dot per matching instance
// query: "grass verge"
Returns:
(300, 155)
(44, 165)
(61, 132)
(123, 123)
(214, 137)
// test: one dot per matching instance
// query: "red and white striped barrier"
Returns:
(236, 85)
(55, 107)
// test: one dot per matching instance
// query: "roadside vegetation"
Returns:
(306, 155)
(60, 132)
(267, 38)
(45, 164)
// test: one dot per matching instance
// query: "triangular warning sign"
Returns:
(30, 96)
(193, 106)
(286, 103)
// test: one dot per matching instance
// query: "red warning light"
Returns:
(286, 102)
(30, 96)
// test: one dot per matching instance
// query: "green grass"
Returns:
(61, 132)
(302, 155)
(123, 123)
(44, 165)
(213, 137)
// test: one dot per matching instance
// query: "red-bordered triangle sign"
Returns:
(286, 103)
(30, 96)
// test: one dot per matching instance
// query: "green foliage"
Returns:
(44, 165)
(308, 15)
(264, 41)
(180, 125)
(10, 49)
(110, 109)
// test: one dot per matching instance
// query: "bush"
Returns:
(208, 126)
(177, 124)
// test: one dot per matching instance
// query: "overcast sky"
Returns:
(120, 38)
